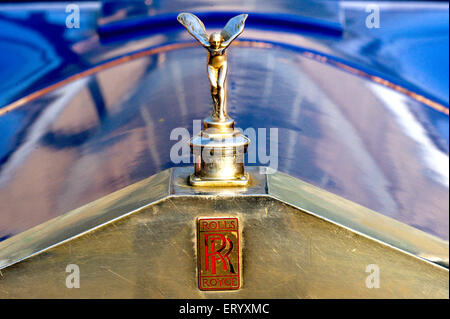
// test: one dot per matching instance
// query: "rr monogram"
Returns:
(218, 253)
(211, 253)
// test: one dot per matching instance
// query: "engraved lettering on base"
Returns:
(218, 250)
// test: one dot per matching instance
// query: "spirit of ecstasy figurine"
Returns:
(216, 44)
(219, 149)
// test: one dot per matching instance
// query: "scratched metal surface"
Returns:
(173, 183)
(354, 138)
(286, 254)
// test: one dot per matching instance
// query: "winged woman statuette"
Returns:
(216, 44)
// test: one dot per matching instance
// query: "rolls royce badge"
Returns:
(218, 250)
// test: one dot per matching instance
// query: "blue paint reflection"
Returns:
(121, 118)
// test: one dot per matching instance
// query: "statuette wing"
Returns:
(233, 29)
(195, 27)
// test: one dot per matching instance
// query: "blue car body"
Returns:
(361, 111)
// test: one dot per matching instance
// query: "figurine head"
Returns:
(215, 39)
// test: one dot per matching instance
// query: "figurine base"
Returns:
(210, 182)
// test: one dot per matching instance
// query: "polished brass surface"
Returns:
(219, 149)
(219, 158)
(298, 242)
(84, 219)
(257, 185)
(359, 219)
(218, 253)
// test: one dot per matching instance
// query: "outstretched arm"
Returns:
(233, 29)
(195, 27)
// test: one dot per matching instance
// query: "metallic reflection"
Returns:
(381, 169)
(300, 242)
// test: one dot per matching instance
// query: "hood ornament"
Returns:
(219, 148)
